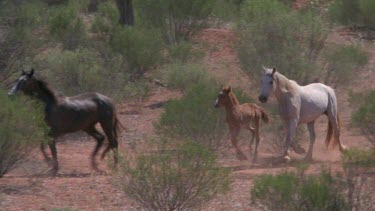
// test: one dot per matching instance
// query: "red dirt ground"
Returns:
(77, 186)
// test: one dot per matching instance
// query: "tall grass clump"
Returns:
(296, 191)
(21, 130)
(353, 13)
(272, 34)
(177, 19)
(182, 177)
(343, 62)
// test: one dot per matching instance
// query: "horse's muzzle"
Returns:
(262, 99)
(216, 105)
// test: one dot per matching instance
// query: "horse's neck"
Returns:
(232, 104)
(46, 95)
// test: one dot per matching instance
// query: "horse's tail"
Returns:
(330, 132)
(264, 115)
(117, 128)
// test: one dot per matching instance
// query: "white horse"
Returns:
(302, 105)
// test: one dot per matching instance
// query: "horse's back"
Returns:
(315, 99)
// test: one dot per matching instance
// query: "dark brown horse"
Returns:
(240, 116)
(70, 114)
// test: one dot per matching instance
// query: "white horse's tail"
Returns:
(330, 132)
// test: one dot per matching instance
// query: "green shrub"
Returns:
(184, 76)
(178, 178)
(83, 70)
(177, 19)
(354, 13)
(106, 18)
(343, 62)
(66, 26)
(272, 34)
(142, 48)
(21, 129)
(290, 191)
(364, 115)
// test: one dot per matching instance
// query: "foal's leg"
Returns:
(310, 127)
(234, 131)
(100, 139)
(257, 133)
(252, 131)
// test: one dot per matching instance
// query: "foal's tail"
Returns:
(330, 132)
(264, 115)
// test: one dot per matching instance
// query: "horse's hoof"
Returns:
(286, 159)
(343, 148)
(298, 149)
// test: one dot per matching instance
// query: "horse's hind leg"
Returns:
(334, 121)
(100, 139)
(311, 128)
(257, 134)
(252, 131)
(109, 127)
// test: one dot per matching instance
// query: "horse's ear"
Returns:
(264, 69)
(229, 89)
(273, 70)
(31, 72)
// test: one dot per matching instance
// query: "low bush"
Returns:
(272, 34)
(142, 48)
(67, 27)
(177, 178)
(353, 13)
(291, 191)
(364, 115)
(342, 63)
(21, 129)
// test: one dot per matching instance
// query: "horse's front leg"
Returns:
(55, 164)
(43, 149)
(291, 129)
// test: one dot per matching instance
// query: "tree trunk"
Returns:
(125, 8)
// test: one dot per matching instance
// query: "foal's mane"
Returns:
(233, 98)
(284, 83)
(45, 89)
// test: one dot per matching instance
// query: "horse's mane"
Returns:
(284, 83)
(44, 87)
(233, 98)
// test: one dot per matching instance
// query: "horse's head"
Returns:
(26, 83)
(223, 96)
(267, 84)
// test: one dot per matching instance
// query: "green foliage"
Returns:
(355, 13)
(141, 47)
(66, 26)
(184, 76)
(194, 117)
(178, 19)
(364, 115)
(84, 70)
(359, 157)
(107, 18)
(343, 61)
(290, 191)
(272, 34)
(177, 178)
(21, 129)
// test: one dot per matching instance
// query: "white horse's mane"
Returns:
(284, 83)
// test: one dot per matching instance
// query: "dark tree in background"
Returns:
(126, 12)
